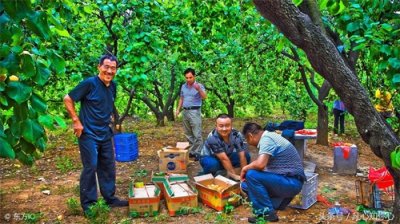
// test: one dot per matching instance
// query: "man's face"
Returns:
(107, 71)
(224, 126)
(250, 139)
(190, 78)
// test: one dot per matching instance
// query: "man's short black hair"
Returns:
(109, 57)
(189, 70)
(251, 128)
(224, 116)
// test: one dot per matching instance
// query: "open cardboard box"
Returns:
(180, 196)
(144, 201)
(217, 192)
(174, 159)
(182, 145)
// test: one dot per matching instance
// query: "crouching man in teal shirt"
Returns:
(275, 177)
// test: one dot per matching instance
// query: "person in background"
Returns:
(275, 177)
(384, 103)
(92, 128)
(339, 112)
(224, 149)
(191, 96)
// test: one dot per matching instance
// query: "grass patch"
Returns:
(99, 213)
(65, 164)
(74, 206)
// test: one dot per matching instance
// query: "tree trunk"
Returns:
(160, 119)
(323, 121)
(170, 114)
(326, 60)
(323, 114)
(231, 111)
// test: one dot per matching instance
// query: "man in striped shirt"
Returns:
(275, 177)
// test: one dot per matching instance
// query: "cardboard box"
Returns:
(165, 179)
(217, 192)
(173, 160)
(183, 200)
(180, 196)
(182, 145)
(144, 201)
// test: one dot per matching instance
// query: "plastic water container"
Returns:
(126, 147)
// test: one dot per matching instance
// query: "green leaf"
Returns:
(16, 49)
(20, 113)
(387, 27)
(4, 50)
(57, 62)
(42, 74)
(37, 22)
(19, 91)
(27, 65)
(351, 27)
(60, 121)
(323, 4)
(24, 158)
(359, 47)
(394, 62)
(4, 19)
(396, 78)
(2, 86)
(46, 120)
(395, 158)
(41, 144)
(10, 63)
(6, 150)
(3, 100)
(38, 103)
(17, 9)
(31, 130)
(88, 9)
(62, 32)
(297, 2)
(386, 49)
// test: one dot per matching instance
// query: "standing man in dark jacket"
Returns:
(92, 128)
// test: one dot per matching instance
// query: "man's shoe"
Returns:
(271, 217)
(118, 203)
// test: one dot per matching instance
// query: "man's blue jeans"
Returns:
(269, 191)
(97, 157)
(212, 164)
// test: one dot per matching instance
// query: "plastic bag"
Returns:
(381, 177)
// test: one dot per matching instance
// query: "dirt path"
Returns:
(46, 187)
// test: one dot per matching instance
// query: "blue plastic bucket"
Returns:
(126, 147)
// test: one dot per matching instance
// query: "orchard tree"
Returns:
(27, 60)
(324, 57)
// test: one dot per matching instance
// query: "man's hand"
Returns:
(196, 86)
(234, 176)
(177, 113)
(243, 173)
(78, 128)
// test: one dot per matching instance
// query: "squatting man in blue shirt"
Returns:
(275, 177)
(224, 149)
(92, 128)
